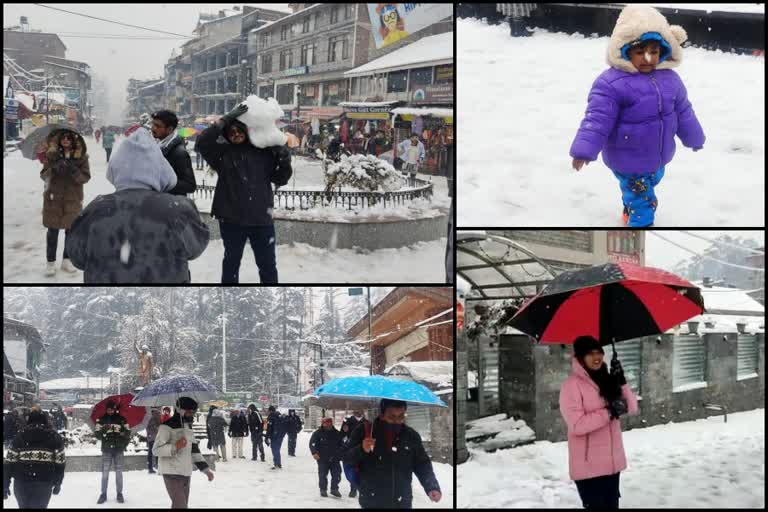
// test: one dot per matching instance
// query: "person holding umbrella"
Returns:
(113, 432)
(386, 454)
(177, 450)
(591, 402)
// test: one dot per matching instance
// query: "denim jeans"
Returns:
(151, 459)
(52, 242)
(275, 445)
(292, 443)
(262, 239)
(107, 460)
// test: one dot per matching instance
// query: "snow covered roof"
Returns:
(431, 50)
(424, 111)
(367, 103)
(291, 16)
(437, 373)
(729, 299)
(349, 371)
(152, 84)
(75, 383)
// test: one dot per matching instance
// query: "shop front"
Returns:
(435, 128)
(363, 120)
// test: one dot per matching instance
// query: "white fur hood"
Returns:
(636, 20)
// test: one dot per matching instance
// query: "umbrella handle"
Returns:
(615, 355)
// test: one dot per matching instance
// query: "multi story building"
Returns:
(23, 350)
(144, 96)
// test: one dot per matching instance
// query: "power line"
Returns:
(718, 242)
(130, 38)
(115, 22)
(727, 264)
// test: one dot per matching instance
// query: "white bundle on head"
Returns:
(260, 120)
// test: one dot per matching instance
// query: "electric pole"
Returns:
(224, 340)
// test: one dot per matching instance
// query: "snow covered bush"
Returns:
(364, 172)
(493, 319)
(260, 120)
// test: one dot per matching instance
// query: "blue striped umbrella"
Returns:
(354, 392)
(169, 389)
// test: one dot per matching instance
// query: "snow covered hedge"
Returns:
(364, 172)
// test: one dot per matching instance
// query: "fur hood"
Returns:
(633, 22)
(79, 148)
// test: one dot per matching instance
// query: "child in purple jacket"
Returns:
(636, 108)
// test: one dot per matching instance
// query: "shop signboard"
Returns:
(435, 93)
(11, 111)
(393, 22)
(298, 70)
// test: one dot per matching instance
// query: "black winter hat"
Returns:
(111, 405)
(387, 403)
(186, 403)
(37, 417)
(252, 407)
(584, 345)
(271, 408)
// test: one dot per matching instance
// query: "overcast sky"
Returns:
(659, 253)
(118, 60)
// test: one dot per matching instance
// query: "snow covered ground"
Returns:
(239, 482)
(520, 101)
(24, 241)
(697, 464)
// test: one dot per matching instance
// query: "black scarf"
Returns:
(608, 384)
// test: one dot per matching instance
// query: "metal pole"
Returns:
(298, 368)
(47, 101)
(118, 383)
(224, 341)
(321, 365)
(370, 350)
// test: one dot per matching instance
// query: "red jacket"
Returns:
(595, 447)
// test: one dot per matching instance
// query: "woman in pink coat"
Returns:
(591, 402)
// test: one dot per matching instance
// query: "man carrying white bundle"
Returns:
(248, 155)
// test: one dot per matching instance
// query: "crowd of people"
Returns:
(378, 458)
(152, 173)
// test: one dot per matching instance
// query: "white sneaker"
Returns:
(67, 266)
(50, 268)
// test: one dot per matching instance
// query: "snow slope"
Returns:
(248, 484)
(24, 240)
(696, 464)
(520, 101)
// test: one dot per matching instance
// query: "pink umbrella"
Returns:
(136, 416)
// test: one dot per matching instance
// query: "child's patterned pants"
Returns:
(639, 197)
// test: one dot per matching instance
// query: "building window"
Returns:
(397, 81)
(334, 15)
(266, 63)
(305, 25)
(421, 76)
(285, 94)
(347, 11)
(689, 363)
(308, 52)
(286, 59)
(746, 356)
(211, 86)
(333, 94)
(266, 91)
(309, 94)
(231, 84)
(338, 48)
(283, 32)
(317, 20)
(630, 353)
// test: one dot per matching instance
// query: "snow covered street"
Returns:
(243, 482)
(520, 101)
(24, 241)
(698, 464)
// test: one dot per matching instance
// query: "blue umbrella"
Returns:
(353, 392)
(169, 389)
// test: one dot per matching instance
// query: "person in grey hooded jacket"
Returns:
(139, 234)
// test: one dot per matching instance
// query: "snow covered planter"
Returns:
(498, 432)
(363, 172)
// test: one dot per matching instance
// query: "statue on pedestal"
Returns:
(146, 363)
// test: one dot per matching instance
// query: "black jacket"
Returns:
(177, 156)
(113, 432)
(351, 423)
(385, 475)
(10, 426)
(243, 192)
(294, 424)
(137, 236)
(36, 455)
(276, 426)
(328, 443)
(238, 426)
(255, 423)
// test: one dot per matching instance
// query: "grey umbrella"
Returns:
(31, 142)
(169, 389)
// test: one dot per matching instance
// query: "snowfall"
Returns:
(520, 101)
(703, 464)
(24, 234)
(240, 482)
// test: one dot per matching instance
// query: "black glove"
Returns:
(234, 113)
(6, 492)
(617, 408)
(617, 371)
(56, 489)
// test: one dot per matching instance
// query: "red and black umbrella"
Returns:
(136, 416)
(611, 302)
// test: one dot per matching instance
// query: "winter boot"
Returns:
(323, 493)
(66, 266)
(262, 459)
(335, 492)
(120, 498)
(102, 499)
(625, 215)
(50, 269)
(353, 493)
